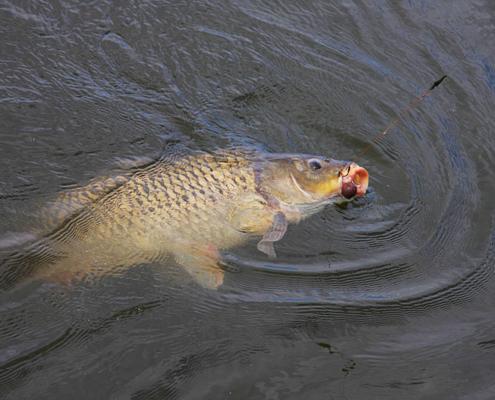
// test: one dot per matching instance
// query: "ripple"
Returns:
(398, 283)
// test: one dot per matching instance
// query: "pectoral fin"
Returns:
(274, 234)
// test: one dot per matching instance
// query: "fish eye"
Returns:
(314, 164)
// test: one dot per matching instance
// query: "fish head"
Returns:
(299, 180)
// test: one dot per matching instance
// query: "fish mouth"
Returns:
(354, 181)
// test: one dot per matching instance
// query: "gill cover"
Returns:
(301, 179)
(296, 186)
(298, 181)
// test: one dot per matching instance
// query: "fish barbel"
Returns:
(190, 207)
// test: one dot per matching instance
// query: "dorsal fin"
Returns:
(68, 203)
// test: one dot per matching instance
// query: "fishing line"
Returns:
(402, 113)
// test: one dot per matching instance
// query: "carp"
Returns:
(190, 207)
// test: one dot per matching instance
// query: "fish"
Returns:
(190, 206)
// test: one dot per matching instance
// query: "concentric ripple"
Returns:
(388, 296)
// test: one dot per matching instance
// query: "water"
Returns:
(388, 297)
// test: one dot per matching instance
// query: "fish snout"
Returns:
(354, 180)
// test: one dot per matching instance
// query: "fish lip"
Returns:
(354, 181)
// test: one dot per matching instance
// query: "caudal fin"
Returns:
(19, 265)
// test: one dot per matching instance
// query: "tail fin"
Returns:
(17, 266)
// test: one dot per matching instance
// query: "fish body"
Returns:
(190, 207)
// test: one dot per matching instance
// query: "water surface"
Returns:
(388, 297)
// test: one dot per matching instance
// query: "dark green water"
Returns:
(391, 297)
